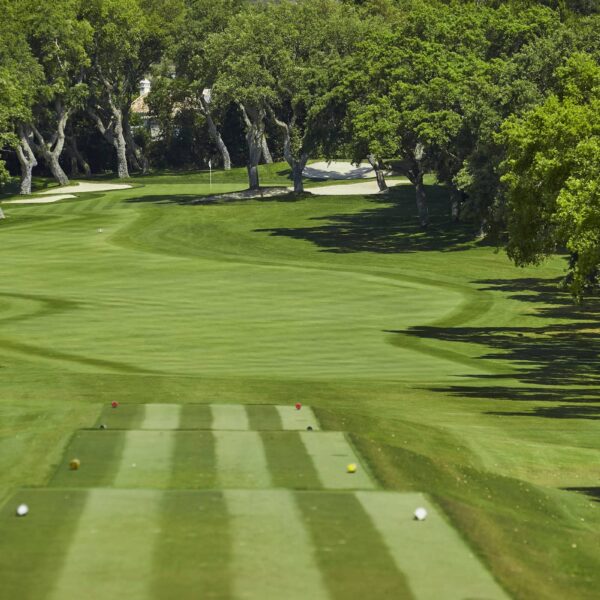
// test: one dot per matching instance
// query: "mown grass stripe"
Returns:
(350, 552)
(100, 454)
(272, 555)
(293, 419)
(416, 546)
(289, 463)
(161, 416)
(331, 453)
(241, 460)
(34, 549)
(194, 462)
(263, 417)
(192, 557)
(111, 554)
(146, 459)
(196, 416)
(229, 417)
(125, 416)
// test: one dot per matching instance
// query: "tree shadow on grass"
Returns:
(591, 492)
(391, 226)
(557, 362)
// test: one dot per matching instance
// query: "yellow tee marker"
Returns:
(351, 468)
(75, 464)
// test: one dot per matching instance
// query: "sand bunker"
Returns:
(88, 186)
(352, 189)
(44, 200)
(266, 192)
(338, 169)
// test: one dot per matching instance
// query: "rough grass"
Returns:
(458, 374)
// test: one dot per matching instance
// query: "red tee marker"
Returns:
(298, 406)
(114, 404)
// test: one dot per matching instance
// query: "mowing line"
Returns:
(100, 454)
(416, 546)
(353, 558)
(289, 463)
(263, 417)
(241, 460)
(195, 416)
(331, 453)
(126, 416)
(273, 556)
(34, 550)
(192, 557)
(194, 462)
(161, 416)
(146, 460)
(111, 554)
(229, 416)
(293, 419)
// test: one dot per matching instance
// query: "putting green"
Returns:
(235, 417)
(211, 459)
(145, 544)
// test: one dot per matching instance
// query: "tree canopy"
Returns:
(498, 99)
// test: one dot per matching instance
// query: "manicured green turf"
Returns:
(147, 544)
(219, 459)
(255, 417)
(457, 374)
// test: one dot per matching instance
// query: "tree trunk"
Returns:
(297, 171)
(379, 174)
(255, 130)
(217, 139)
(56, 170)
(119, 142)
(253, 180)
(77, 159)
(113, 133)
(296, 164)
(27, 161)
(455, 202)
(267, 157)
(51, 151)
(136, 154)
(421, 202)
(121, 147)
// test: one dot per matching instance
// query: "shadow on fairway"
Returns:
(390, 227)
(591, 492)
(557, 362)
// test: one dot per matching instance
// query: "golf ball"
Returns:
(420, 514)
(351, 468)
(22, 510)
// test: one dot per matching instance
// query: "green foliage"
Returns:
(20, 77)
(551, 175)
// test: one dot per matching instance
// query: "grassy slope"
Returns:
(457, 374)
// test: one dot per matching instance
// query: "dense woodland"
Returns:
(499, 100)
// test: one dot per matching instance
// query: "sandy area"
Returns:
(352, 189)
(338, 169)
(266, 192)
(88, 186)
(44, 200)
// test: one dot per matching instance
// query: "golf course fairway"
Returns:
(453, 380)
